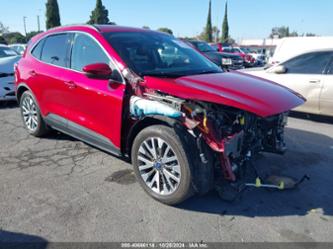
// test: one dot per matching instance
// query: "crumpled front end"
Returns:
(234, 135)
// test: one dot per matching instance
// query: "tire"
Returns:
(171, 164)
(31, 116)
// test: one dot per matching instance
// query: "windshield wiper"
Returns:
(209, 72)
(162, 74)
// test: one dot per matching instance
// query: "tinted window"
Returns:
(7, 52)
(86, 51)
(55, 50)
(311, 63)
(155, 54)
(37, 51)
(330, 68)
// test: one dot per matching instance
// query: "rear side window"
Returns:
(55, 50)
(86, 51)
(37, 51)
(310, 63)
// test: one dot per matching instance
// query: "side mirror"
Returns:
(98, 71)
(279, 69)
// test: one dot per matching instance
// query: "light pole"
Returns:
(25, 25)
(38, 23)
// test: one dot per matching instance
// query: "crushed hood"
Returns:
(235, 89)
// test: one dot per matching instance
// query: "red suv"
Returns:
(143, 95)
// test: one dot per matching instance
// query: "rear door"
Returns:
(326, 95)
(305, 75)
(95, 104)
(50, 74)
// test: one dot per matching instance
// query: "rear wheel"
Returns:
(161, 164)
(32, 118)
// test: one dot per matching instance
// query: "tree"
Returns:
(52, 14)
(310, 34)
(145, 27)
(225, 26)
(208, 37)
(14, 37)
(3, 40)
(3, 29)
(280, 32)
(100, 15)
(32, 34)
(166, 30)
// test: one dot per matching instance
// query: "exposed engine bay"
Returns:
(235, 135)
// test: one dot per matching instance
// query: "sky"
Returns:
(248, 19)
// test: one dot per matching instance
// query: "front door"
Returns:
(95, 104)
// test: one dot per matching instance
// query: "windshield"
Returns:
(7, 52)
(203, 47)
(154, 54)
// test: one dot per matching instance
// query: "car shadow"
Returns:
(8, 104)
(19, 240)
(302, 159)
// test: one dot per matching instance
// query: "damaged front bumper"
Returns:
(234, 135)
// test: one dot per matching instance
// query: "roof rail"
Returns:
(94, 27)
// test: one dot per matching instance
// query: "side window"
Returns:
(37, 51)
(86, 51)
(55, 50)
(311, 63)
(330, 68)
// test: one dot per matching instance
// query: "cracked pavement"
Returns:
(62, 190)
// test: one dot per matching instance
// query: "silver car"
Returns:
(8, 57)
(310, 74)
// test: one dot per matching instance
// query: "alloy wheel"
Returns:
(29, 113)
(159, 166)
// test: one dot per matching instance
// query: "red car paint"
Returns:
(238, 90)
(98, 105)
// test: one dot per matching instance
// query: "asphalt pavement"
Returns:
(61, 190)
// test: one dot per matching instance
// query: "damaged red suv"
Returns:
(182, 121)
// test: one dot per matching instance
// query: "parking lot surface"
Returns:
(60, 189)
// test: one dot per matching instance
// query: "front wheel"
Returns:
(161, 164)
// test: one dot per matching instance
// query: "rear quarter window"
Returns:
(37, 50)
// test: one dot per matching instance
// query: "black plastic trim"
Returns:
(77, 131)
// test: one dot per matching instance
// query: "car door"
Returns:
(49, 76)
(326, 95)
(305, 75)
(95, 104)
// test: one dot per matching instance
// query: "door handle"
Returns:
(314, 81)
(70, 84)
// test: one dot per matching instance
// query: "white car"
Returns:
(18, 47)
(8, 57)
(310, 74)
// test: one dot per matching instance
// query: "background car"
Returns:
(18, 47)
(8, 57)
(249, 61)
(226, 60)
(310, 74)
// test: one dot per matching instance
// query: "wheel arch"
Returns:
(141, 124)
(21, 88)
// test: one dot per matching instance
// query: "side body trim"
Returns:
(81, 133)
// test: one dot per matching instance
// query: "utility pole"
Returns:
(38, 23)
(25, 25)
